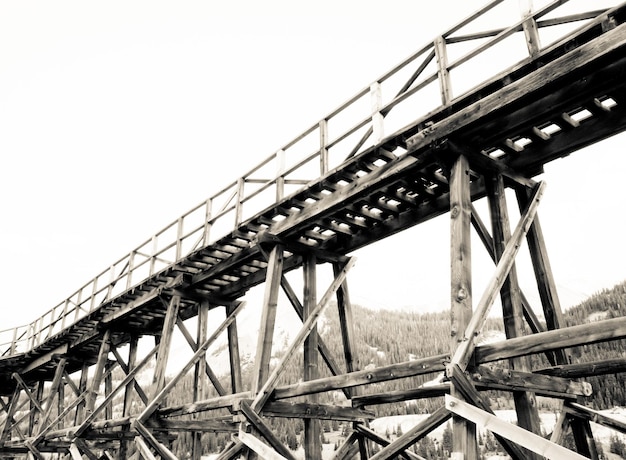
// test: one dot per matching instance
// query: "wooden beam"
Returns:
(372, 435)
(61, 350)
(194, 346)
(265, 431)
(512, 380)
(236, 382)
(200, 370)
(546, 284)
(346, 324)
(580, 411)
(121, 386)
(268, 318)
(269, 386)
(312, 427)
(535, 81)
(464, 433)
(434, 391)
(158, 379)
(413, 435)
(465, 349)
(512, 311)
(157, 400)
(595, 368)
(347, 449)
(472, 396)
(322, 347)
(226, 401)
(509, 431)
(263, 450)
(315, 411)
(364, 377)
(213, 426)
(142, 448)
(584, 334)
(161, 450)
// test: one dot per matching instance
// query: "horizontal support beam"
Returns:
(510, 380)
(585, 334)
(226, 401)
(315, 411)
(365, 377)
(213, 426)
(574, 371)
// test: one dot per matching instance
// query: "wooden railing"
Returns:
(453, 64)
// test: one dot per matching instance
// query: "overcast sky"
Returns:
(116, 117)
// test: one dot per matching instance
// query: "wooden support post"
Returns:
(164, 344)
(36, 411)
(413, 435)
(200, 388)
(512, 312)
(546, 284)
(346, 323)
(10, 411)
(82, 387)
(236, 383)
(322, 347)
(108, 389)
(466, 348)
(194, 346)
(132, 360)
(268, 318)
(96, 379)
(270, 384)
(202, 348)
(53, 392)
(312, 428)
(464, 433)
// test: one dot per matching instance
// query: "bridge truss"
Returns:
(360, 185)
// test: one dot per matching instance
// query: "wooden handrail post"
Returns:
(531, 31)
(443, 74)
(280, 175)
(239, 205)
(323, 146)
(377, 116)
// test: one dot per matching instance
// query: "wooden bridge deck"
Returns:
(548, 105)
(564, 98)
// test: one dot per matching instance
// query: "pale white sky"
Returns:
(116, 117)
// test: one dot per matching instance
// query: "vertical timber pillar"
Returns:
(233, 348)
(200, 387)
(312, 432)
(464, 445)
(268, 318)
(512, 311)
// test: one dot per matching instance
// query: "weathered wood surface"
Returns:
(441, 162)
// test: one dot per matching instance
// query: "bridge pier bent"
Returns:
(92, 377)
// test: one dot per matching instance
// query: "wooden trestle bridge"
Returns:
(553, 82)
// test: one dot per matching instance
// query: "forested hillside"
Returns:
(423, 335)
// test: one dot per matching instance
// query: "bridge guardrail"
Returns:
(422, 83)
